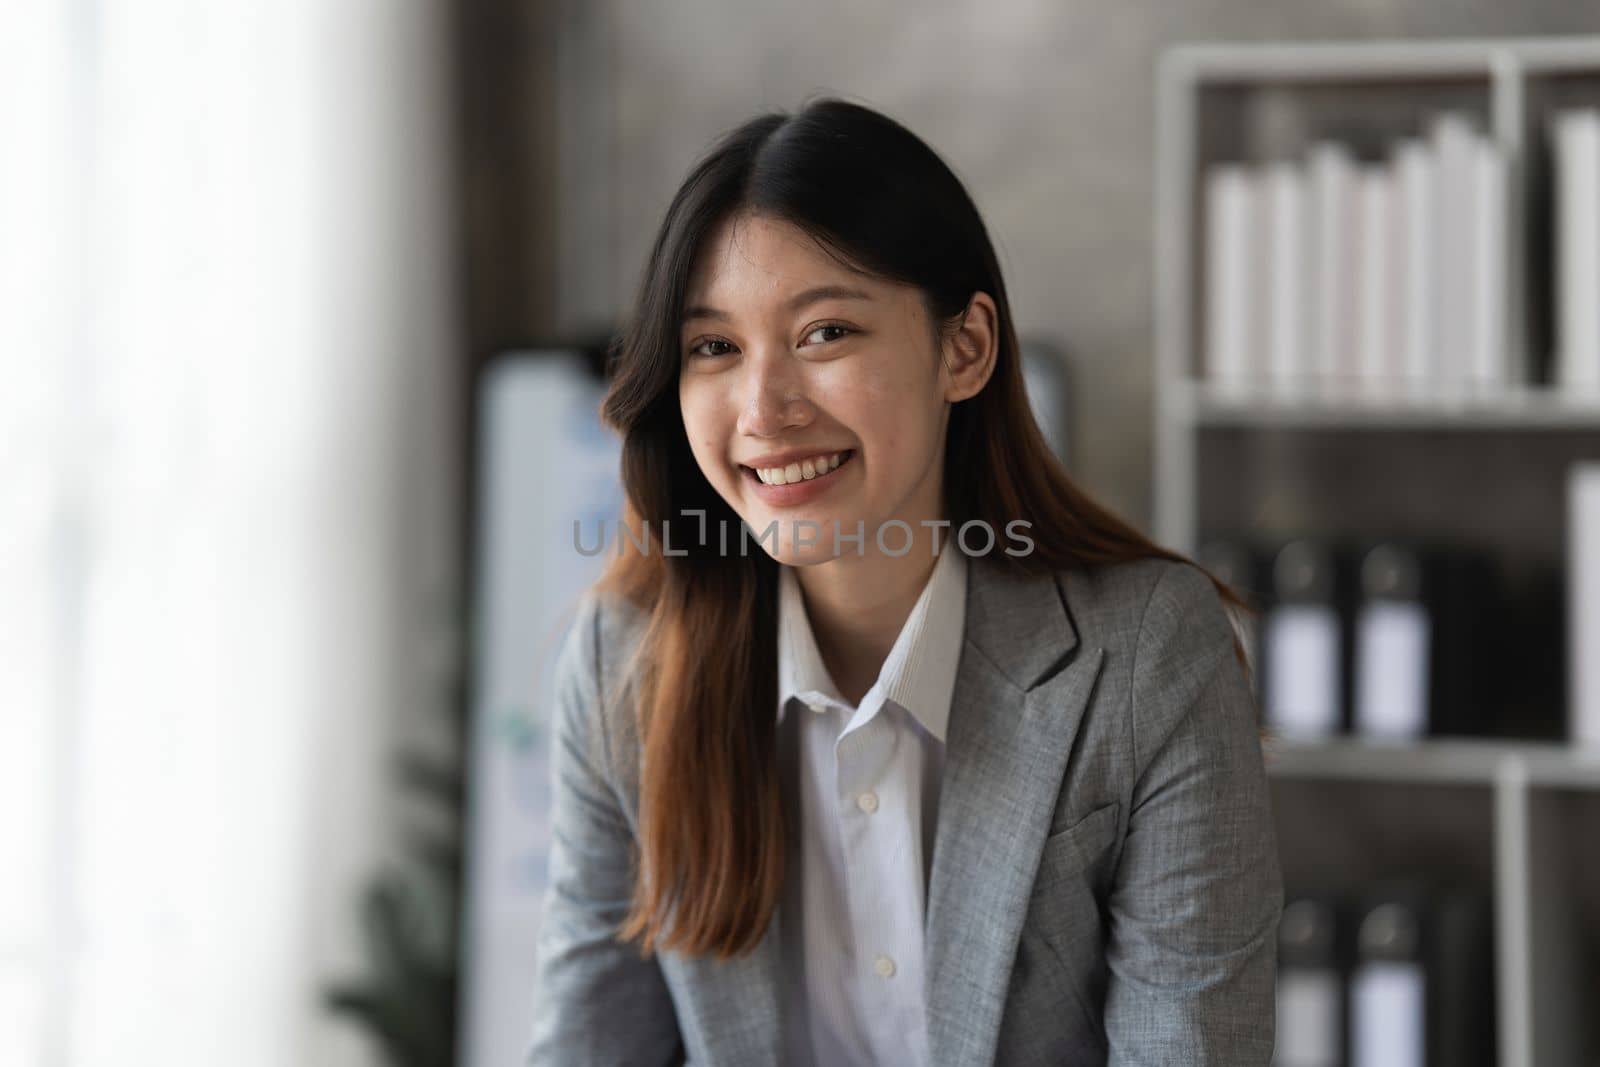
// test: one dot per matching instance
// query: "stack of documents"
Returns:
(1335, 276)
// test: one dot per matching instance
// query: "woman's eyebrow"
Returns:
(795, 303)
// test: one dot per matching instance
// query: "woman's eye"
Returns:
(708, 347)
(837, 332)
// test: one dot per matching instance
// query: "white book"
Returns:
(1489, 356)
(1583, 602)
(1331, 182)
(1287, 357)
(1452, 141)
(1374, 284)
(1414, 209)
(1230, 281)
(1577, 225)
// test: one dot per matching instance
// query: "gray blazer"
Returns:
(1105, 884)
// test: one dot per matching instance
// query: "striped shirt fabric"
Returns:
(865, 782)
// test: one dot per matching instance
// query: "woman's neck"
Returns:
(857, 606)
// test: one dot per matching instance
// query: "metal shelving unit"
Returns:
(1540, 801)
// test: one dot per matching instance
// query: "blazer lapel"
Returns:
(1021, 688)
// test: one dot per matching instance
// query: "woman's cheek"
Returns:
(704, 445)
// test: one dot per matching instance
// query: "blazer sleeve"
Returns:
(596, 1000)
(1198, 892)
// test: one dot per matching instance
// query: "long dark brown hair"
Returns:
(712, 829)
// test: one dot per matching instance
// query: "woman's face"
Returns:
(792, 363)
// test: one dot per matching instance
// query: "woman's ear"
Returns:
(971, 349)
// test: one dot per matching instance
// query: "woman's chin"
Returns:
(802, 536)
(806, 555)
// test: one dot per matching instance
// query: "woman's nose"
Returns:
(773, 399)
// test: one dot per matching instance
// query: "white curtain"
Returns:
(226, 352)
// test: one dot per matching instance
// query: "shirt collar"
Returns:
(920, 671)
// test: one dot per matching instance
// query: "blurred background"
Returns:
(301, 313)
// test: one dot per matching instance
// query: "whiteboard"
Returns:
(544, 460)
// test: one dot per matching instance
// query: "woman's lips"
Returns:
(782, 496)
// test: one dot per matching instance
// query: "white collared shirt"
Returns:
(868, 782)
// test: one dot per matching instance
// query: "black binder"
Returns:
(1305, 662)
(1313, 966)
(1422, 986)
(1423, 627)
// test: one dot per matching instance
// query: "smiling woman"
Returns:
(897, 790)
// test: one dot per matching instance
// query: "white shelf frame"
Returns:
(1186, 404)
(1443, 761)
(1534, 953)
(1200, 405)
(1534, 1030)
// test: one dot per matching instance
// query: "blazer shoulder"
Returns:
(1164, 620)
(1117, 603)
(1165, 627)
(604, 630)
(602, 633)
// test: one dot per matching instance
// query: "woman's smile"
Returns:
(799, 480)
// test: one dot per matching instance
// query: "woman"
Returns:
(882, 742)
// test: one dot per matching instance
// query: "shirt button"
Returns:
(884, 966)
(867, 802)
(817, 705)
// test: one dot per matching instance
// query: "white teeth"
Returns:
(805, 470)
